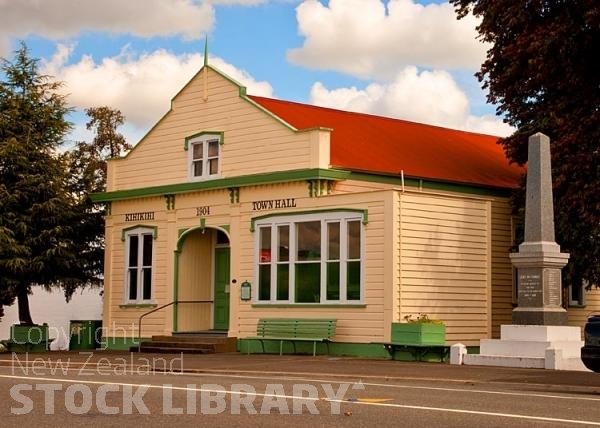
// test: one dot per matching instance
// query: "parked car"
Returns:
(590, 353)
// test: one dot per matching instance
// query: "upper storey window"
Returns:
(204, 152)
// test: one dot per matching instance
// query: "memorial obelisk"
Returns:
(539, 260)
(538, 336)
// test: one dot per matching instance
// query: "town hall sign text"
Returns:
(273, 204)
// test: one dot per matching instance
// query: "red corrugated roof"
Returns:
(368, 143)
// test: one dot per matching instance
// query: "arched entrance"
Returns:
(202, 274)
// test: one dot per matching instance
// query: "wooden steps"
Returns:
(209, 342)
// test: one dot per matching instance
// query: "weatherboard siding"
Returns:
(355, 186)
(444, 263)
(118, 316)
(364, 323)
(440, 264)
(254, 141)
(502, 270)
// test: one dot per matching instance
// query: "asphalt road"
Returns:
(115, 395)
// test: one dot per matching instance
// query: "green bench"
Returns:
(294, 330)
(419, 351)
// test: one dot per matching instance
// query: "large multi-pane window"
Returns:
(204, 153)
(139, 249)
(315, 258)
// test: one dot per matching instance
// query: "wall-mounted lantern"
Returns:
(245, 291)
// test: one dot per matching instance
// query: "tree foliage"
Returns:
(542, 73)
(51, 234)
(87, 174)
(34, 223)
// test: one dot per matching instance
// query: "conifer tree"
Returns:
(87, 174)
(35, 234)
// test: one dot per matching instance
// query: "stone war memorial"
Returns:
(539, 335)
(539, 260)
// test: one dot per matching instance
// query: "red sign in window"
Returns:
(265, 256)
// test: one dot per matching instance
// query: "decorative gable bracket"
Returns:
(319, 187)
(234, 195)
(170, 201)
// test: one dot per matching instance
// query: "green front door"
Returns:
(221, 299)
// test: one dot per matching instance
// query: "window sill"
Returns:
(194, 179)
(576, 305)
(137, 305)
(309, 305)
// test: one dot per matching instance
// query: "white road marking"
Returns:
(475, 412)
(391, 405)
(385, 385)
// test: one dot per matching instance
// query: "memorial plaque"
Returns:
(530, 287)
(552, 287)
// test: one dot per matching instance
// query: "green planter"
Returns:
(33, 334)
(418, 333)
(85, 334)
(29, 338)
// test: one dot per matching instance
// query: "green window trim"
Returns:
(139, 226)
(204, 161)
(363, 212)
(221, 135)
(182, 231)
(310, 258)
(139, 261)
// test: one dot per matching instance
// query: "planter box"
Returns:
(28, 338)
(33, 334)
(418, 333)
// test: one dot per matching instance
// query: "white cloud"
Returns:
(488, 124)
(426, 97)
(140, 86)
(364, 39)
(263, 89)
(63, 19)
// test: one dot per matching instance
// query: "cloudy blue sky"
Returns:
(409, 59)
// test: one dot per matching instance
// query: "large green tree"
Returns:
(87, 174)
(543, 74)
(36, 234)
(51, 233)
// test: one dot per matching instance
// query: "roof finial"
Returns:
(206, 50)
(205, 69)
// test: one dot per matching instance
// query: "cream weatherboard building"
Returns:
(240, 207)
